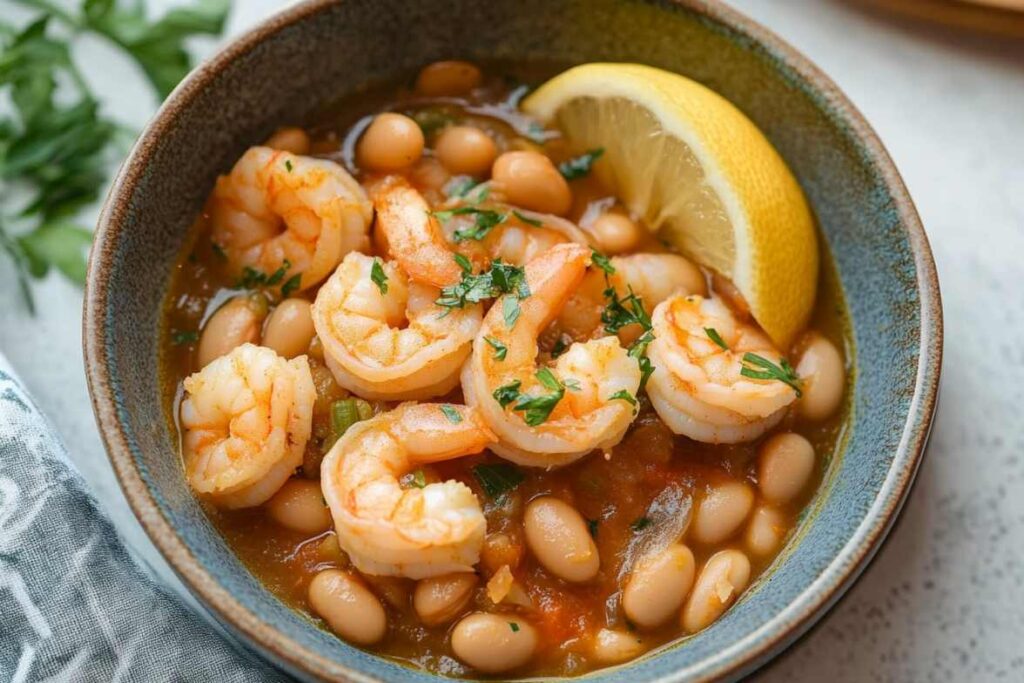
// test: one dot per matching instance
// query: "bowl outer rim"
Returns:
(734, 661)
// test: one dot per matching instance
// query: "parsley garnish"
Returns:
(510, 310)
(602, 261)
(451, 413)
(640, 524)
(288, 165)
(290, 285)
(419, 479)
(184, 337)
(507, 393)
(514, 626)
(500, 350)
(526, 219)
(537, 409)
(459, 186)
(715, 337)
(623, 395)
(498, 479)
(560, 346)
(577, 167)
(378, 276)
(573, 384)
(782, 372)
(252, 278)
(502, 278)
(218, 251)
(629, 311)
(485, 220)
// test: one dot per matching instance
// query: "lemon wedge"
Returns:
(701, 174)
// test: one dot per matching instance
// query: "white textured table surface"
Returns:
(944, 600)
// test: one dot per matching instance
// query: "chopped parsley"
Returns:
(783, 372)
(507, 393)
(378, 276)
(514, 626)
(459, 186)
(419, 479)
(560, 346)
(498, 479)
(218, 251)
(181, 338)
(485, 220)
(573, 384)
(623, 395)
(715, 337)
(502, 278)
(526, 219)
(640, 523)
(500, 350)
(537, 409)
(288, 165)
(451, 413)
(602, 261)
(510, 311)
(291, 284)
(577, 167)
(621, 312)
(252, 278)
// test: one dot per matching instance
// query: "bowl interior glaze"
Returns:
(286, 69)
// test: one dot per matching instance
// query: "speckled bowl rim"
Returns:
(740, 657)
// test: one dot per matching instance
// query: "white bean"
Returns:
(823, 375)
(348, 607)
(439, 599)
(289, 328)
(493, 643)
(557, 535)
(658, 586)
(723, 578)
(611, 646)
(722, 512)
(299, 505)
(766, 531)
(785, 465)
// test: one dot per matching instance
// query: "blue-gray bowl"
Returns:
(282, 70)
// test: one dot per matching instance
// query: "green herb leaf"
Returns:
(510, 310)
(464, 263)
(514, 626)
(278, 275)
(291, 285)
(602, 261)
(623, 395)
(182, 337)
(537, 409)
(344, 414)
(526, 219)
(561, 344)
(573, 384)
(578, 167)
(451, 413)
(498, 479)
(459, 186)
(502, 278)
(783, 372)
(715, 337)
(507, 394)
(218, 251)
(640, 524)
(378, 276)
(485, 220)
(288, 165)
(419, 479)
(548, 379)
(500, 350)
(621, 312)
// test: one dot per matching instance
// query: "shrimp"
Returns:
(651, 277)
(413, 532)
(278, 210)
(391, 340)
(549, 416)
(697, 387)
(246, 419)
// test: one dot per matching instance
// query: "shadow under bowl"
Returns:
(286, 68)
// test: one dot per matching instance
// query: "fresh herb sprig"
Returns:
(56, 145)
(623, 311)
(577, 167)
(501, 278)
(536, 408)
(498, 479)
(783, 372)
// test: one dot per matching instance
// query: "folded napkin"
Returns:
(73, 605)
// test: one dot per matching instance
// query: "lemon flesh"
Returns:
(700, 174)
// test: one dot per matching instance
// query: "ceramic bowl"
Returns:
(282, 70)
